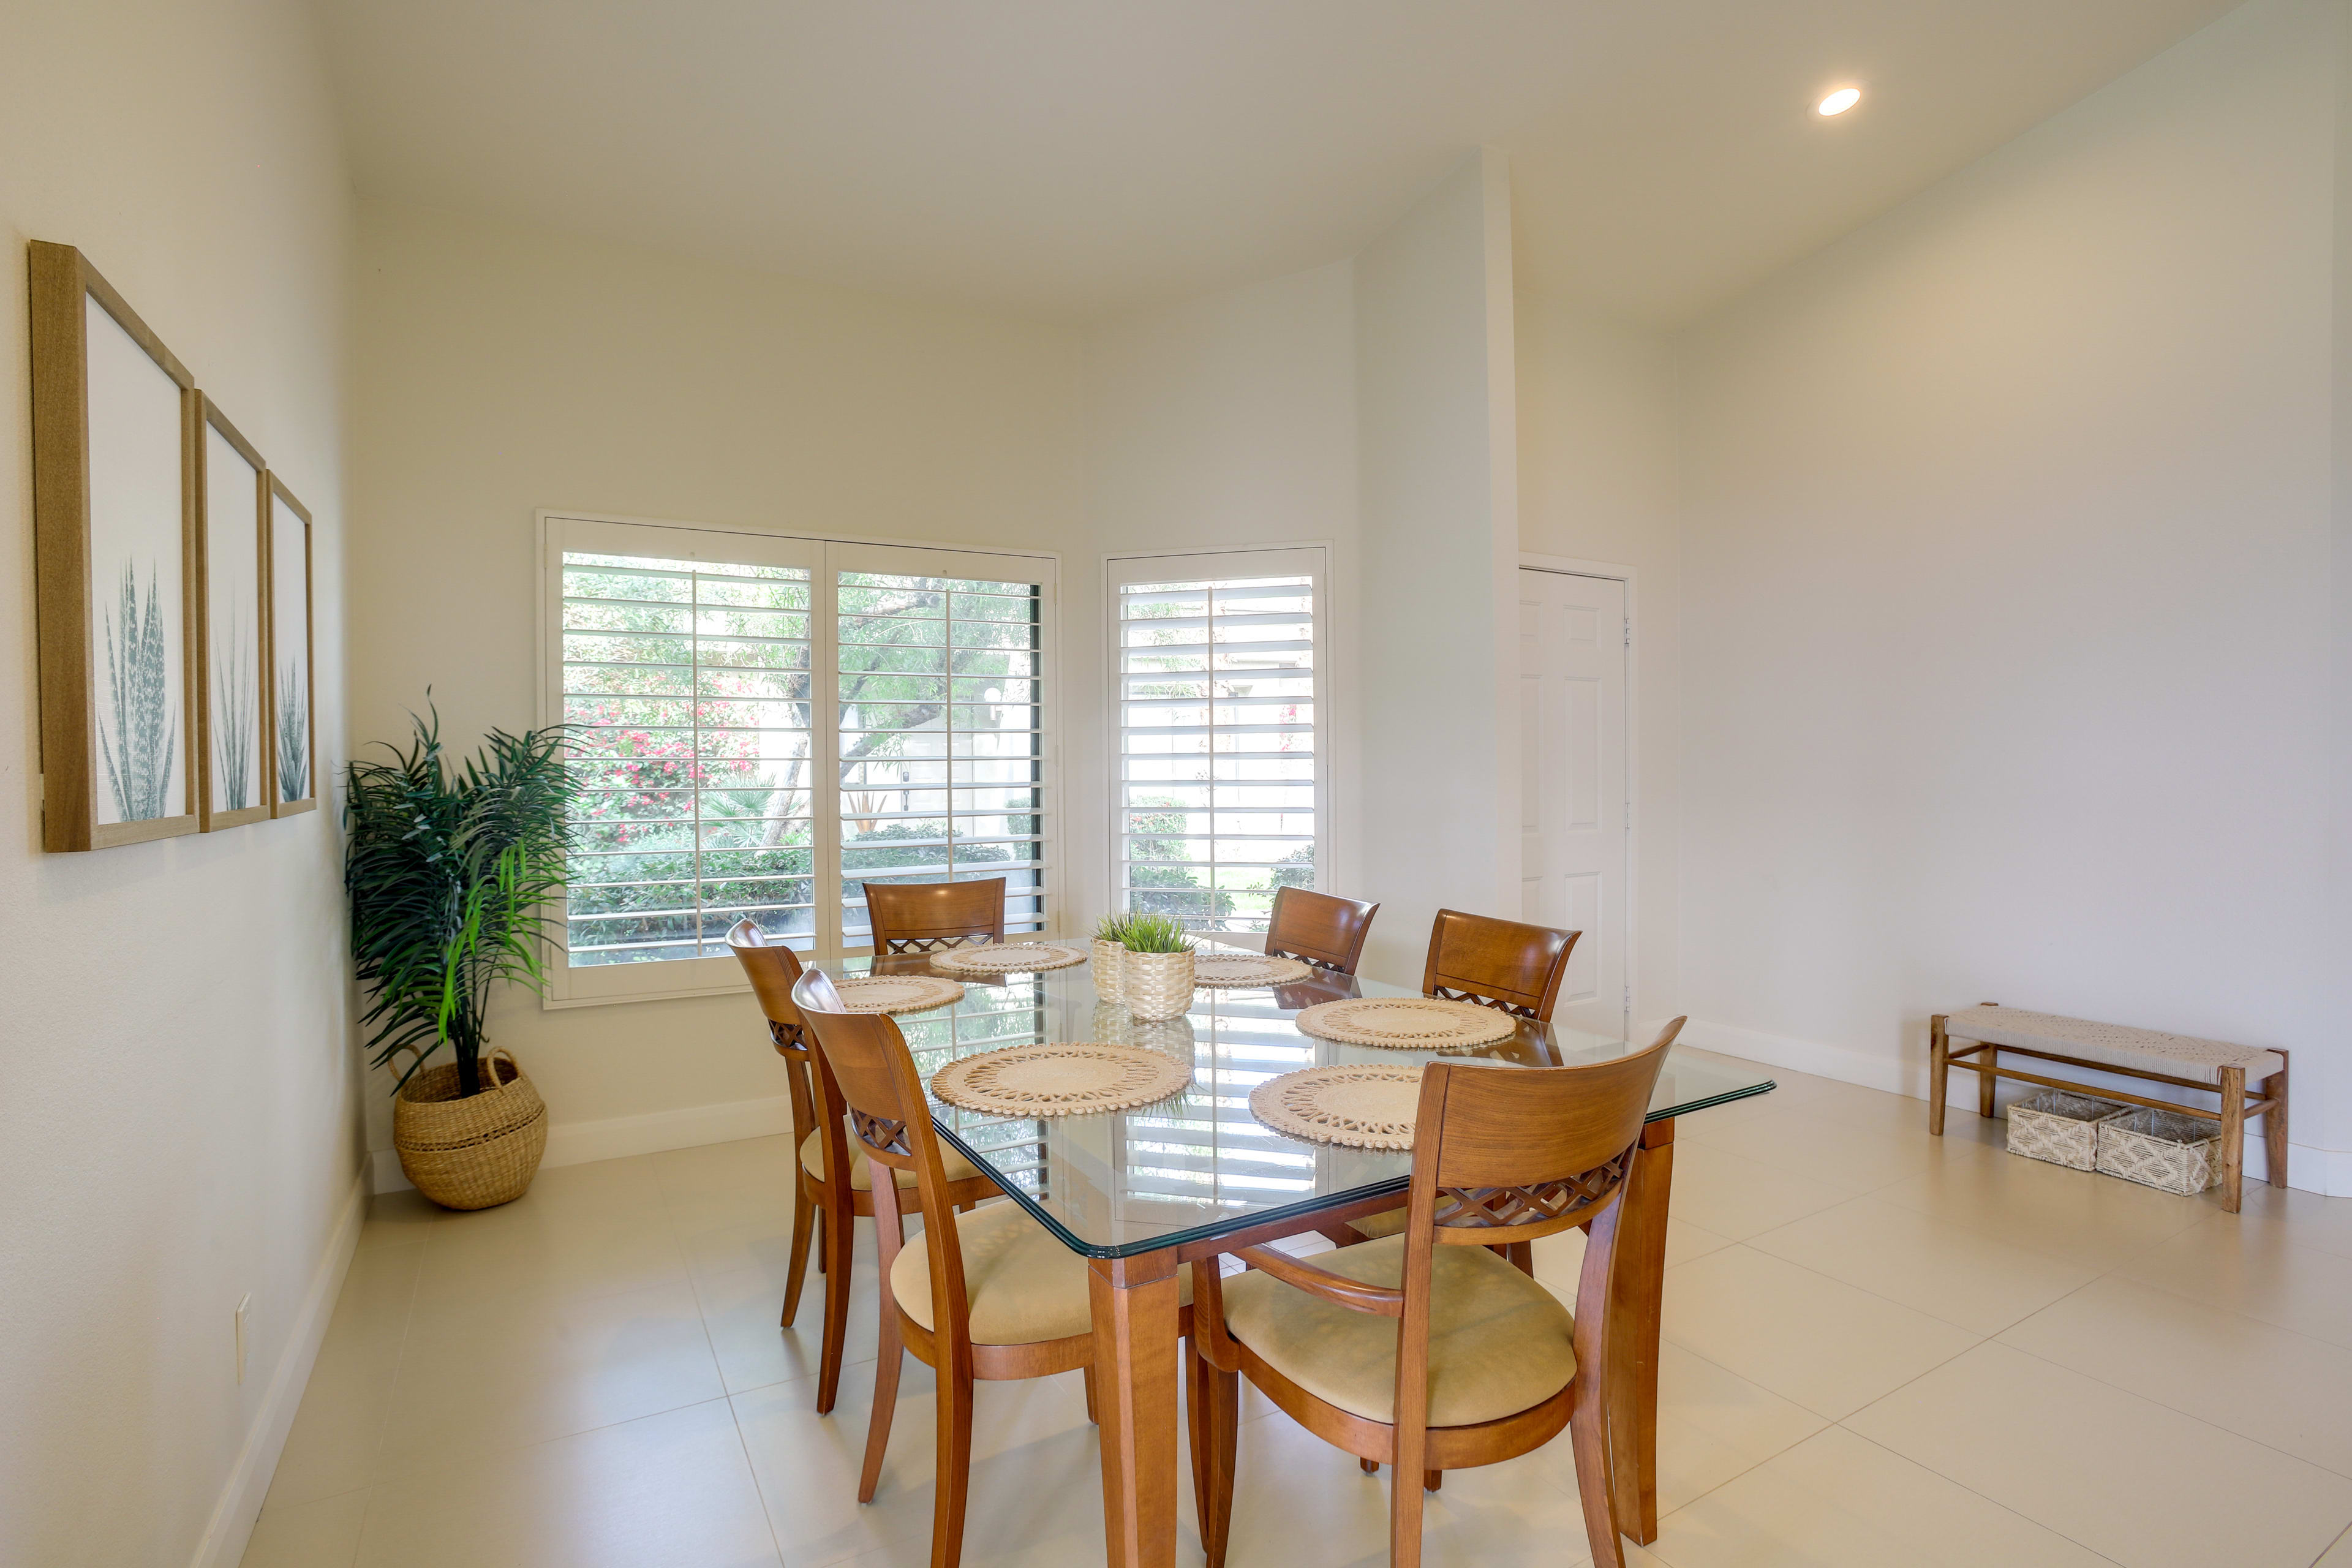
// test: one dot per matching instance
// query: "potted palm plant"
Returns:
(453, 874)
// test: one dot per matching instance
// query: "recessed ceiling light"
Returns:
(1841, 100)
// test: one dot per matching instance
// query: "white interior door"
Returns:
(1572, 844)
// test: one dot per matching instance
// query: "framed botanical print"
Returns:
(232, 679)
(114, 417)
(294, 749)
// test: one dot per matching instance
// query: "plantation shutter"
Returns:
(763, 725)
(1219, 788)
(941, 732)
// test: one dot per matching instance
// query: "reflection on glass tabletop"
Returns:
(1197, 1165)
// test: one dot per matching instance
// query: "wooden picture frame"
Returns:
(291, 726)
(114, 443)
(231, 669)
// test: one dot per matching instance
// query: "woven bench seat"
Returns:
(2250, 1081)
(2113, 1045)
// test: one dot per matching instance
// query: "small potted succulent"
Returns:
(1109, 953)
(1157, 967)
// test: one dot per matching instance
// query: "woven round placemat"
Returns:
(1009, 957)
(1247, 969)
(1406, 1023)
(1357, 1106)
(1062, 1080)
(895, 992)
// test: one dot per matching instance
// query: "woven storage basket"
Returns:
(1157, 984)
(2060, 1128)
(475, 1152)
(2162, 1149)
(1108, 967)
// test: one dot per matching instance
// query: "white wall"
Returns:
(1597, 416)
(1438, 466)
(502, 370)
(179, 1126)
(1228, 420)
(2007, 590)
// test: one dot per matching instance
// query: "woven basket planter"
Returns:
(1108, 966)
(2162, 1149)
(1157, 984)
(475, 1152)
(2060, 1128)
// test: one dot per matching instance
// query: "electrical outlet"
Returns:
(242, 1304)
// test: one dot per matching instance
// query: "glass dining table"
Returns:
(1142, 1193)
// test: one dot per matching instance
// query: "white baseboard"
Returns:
(577, 1143)
(231, 1527)
(2312, 1170)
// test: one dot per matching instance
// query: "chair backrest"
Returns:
(1510, 1155)
(920, 917)
(1514, 1153)
(1318, 928)
(868, 1073)
(1497, 963)
(772, 968)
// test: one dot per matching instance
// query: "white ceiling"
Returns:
(1070, 159)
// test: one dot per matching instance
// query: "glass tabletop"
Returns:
(1199, 1165)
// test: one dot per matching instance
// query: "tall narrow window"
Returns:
(763, 725)
(688, 683)
(940, 758)
(1219, 791)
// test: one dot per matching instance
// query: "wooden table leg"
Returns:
(1634, 1305)
(1135, 1324)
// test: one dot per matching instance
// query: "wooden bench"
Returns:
(2213, 1067)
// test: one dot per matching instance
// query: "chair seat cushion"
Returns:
(1373, 1226)
(861, 1171)
(1024, 1285)
(1499, 1342)
(2112, 1045)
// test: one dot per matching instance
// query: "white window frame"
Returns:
(1309, 558)
(825, 555)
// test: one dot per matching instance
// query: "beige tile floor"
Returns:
(1883, 1349)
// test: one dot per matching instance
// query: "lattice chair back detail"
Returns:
(929, 917)
(881, 1135)
(1567, 1200)
(1504, 965)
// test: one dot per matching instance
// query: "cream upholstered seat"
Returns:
(1373, 1226)
(1499, 1342)
(861, 1175)
(1024, 1285)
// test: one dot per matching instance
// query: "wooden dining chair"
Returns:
(824, 1206)
(923, 917)
(1497, 963)
(991, 1294)
(1318, 928)
(1424, 1349)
